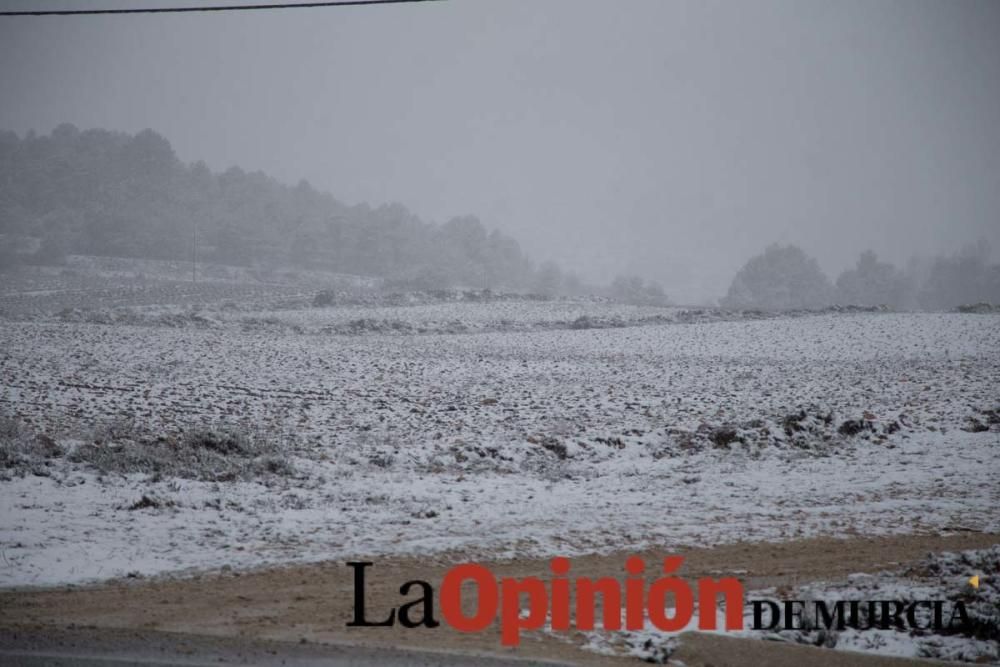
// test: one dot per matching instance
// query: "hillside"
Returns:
(97, 192)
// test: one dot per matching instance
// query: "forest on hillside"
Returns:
(98, 192)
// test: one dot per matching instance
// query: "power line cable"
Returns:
(210, 8)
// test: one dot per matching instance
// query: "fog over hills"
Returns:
(672, 140)
(109, 193)
(97, 192)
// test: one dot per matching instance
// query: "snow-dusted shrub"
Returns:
(595, 322)
(940, 577)
(952, 569)
(366, 325)
(218, 453)
(986, 420)
(22, 449)
(323, 299)
(980, 307)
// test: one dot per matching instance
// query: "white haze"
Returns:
(668, 139)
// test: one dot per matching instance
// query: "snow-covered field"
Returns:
(158, 427)
(526, 440)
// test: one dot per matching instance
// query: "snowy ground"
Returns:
(77, 528)
(472, 425)
(503, 442)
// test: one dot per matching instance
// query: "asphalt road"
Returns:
(92, 647)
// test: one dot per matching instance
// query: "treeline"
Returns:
(97, 192)
(784, 277)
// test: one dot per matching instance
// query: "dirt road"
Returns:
(312, 603)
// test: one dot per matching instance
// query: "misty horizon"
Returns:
(673, 141)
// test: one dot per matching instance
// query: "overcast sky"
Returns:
(669, 139)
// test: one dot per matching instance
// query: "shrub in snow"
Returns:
(220, 453)
(22, 450)
(852, 427)
(942, 577)
(324, 298)
(978, 308)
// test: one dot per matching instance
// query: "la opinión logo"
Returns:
(528, 603)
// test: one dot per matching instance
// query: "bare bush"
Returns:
(217, 453)
(23, 450)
